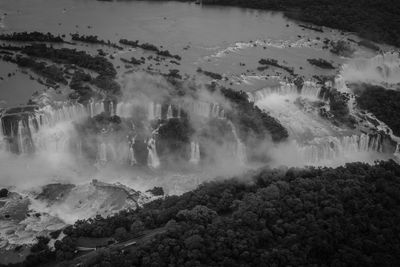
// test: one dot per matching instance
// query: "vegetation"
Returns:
(52, 72)
(274, 63)
(375, 20)
(339, 109)
(31, 37)
(78, 83)
(342, 48)
(213, 75)
(382, 103)
(320, 62)
(149, 47)
(93, 39)
(71, 56)
(346, 216)
(3, 192)
(173, 139)
(251, 120)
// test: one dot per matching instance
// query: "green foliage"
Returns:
(376, 20)
(71, 56)
(3, 192)
(348, 216)
(384, 104)
(251, 120)
(320, 62)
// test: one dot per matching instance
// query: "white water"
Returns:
(381, 69)
(194, 152)
(169, 112)
(132, 158)
(153, 160)
(240, 152)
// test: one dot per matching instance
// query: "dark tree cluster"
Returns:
(82, 92)
(252, 121)
(213, 75)
(321, 63)
(376, 20)
(173, 140)
(72, 56)
(149, 47)
(52, 73)
(339, 109)
(134, 61)
(31, 37)
(274, 63)
(93, 39)
(347, 216)
(383, 103)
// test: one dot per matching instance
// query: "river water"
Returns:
(226, 40)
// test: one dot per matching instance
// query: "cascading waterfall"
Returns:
(152, 161)
(95, 108)
(112, 111)
(310, 89)
(132, 158)
(102, 153)
(321, 150)
(240, 147)
(380, 69)
(21, 137)
(169, 112)
(151, 115)
(194, 152)
(157, 112)
(124, 110)
(179, 112)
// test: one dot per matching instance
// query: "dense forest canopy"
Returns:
(377, 20)
(347, 216)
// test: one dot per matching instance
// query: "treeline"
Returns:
(71, 56)
(347, 216)
(375, 20)
(31, 37)
(251, 120)
(149, 47)
(93, 39)
(383, 103)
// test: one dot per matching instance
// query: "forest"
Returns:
(345, 216)
(376, 20)
(383, 103)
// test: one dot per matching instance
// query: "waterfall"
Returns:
(132, 158)
(323, 149)
(151, 115)
(169, 112)
(21, 138)
(102, 152)
(3, 141)
(52, 116)
(31, 125)
(194, 152)
(240, 146)
(311, 89)
(112, 112)
(215, 110)
(152, 160)
(179, 112)
(95, 108)
(380, 69)
(124, 110)
(158, 114)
